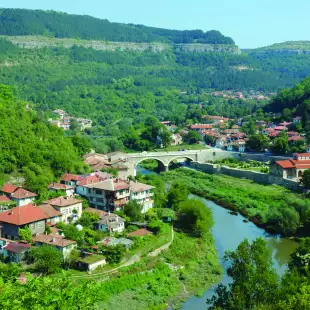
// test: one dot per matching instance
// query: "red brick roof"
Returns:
(9, 188)
(296, 138)
(303, 154)
(60, 186)
(23, 215)
(63, 201)
(22, 193)
(280, 128)
(292, 163)
(54, 240)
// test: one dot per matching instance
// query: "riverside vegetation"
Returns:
(272, 207)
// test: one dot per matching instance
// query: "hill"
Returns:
(61, 25)
(289, 47)
(30, 148)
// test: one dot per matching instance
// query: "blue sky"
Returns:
(251, 23)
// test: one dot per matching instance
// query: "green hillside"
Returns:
(62, 25)
(30, 148)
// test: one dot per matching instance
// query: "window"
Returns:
(98, 192)
(40, 224)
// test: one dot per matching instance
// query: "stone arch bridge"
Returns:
(165, 158)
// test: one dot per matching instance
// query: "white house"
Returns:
(69, 207)
(63, 245)
(68, 189)
(143, 194)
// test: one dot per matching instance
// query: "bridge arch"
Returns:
(162, 166)
(180, 157)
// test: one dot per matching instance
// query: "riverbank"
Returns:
(189, 267)
(271, 207)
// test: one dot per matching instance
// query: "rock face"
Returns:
(209, 48)
(41, 42)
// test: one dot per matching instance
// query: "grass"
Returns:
(92, 259)
(147, 244)
(172, 148)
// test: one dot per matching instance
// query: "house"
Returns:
(108, 195)
(91, 262)
(291, 168)
(68, 189)
(143, 194)
(280, 128)
(221, 142)
(19, 217)
(90, 179)
(69, 207)
(65, 246)
(20, 195)
(23, 197)
(294, 139)
(230, 146)
(110, 222)
(53, 216)
(176, 139)
(14, 252)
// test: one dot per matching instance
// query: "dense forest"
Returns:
(31, 149)
(62, 25)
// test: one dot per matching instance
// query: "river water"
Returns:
(228, 232)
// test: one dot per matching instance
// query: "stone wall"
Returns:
(258, 177)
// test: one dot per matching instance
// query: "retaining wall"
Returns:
(258, 177)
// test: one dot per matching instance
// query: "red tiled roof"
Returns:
(303, 154)
(91, 179)
(59, 186)
(23, 215)
(53, 239)
(286, 164)
(4, 198)
(139, 233)
(71, 177)
(22, 193)
(296, 138)
(63, 201)
(17, 247)
(201, 126)
(49, 211)
(9, 188)
(280, 128)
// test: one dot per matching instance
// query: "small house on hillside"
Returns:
(110, 222)
(20, 195)
(65, 246)
(14, 252)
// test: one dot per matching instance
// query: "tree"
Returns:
(25, 234)
(305, 179)
(114, 254)
(280, 144)
(254, 281)
(300, 258)
(133, 210)
(195, 216)
(178, 192)
(193, 137)
(47, 259)
(257, 142)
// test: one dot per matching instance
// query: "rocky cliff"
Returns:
(41, 41)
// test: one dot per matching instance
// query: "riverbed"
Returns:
(228, 232)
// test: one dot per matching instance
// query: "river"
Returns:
(228, 232)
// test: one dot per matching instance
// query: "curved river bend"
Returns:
(228, 232)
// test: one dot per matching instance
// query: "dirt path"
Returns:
(132, 260)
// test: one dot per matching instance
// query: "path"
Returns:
(132, 260)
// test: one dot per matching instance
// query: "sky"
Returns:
(251, 23)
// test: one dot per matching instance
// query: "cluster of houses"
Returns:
(256, 95)
(63, 120)
(105, 193)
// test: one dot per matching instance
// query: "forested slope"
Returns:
(30, 147)
(62, 25)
